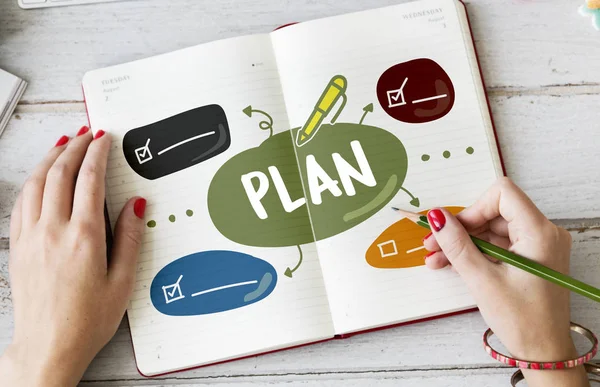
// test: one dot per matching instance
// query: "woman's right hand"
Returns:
(530, 315)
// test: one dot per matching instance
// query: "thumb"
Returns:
(458, 247)
(127, 242)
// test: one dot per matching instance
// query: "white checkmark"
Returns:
(143, 153)
(170, 290)
(397, 95)
(171, 294)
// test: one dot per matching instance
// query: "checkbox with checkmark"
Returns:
(143, 153)
(173, 292)
(398, 94)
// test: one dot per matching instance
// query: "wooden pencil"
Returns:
(523, 263)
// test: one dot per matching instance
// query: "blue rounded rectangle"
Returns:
(211, 282)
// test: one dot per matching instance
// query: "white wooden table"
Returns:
(541, 62)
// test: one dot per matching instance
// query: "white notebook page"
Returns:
(361, 47)
(233, 74)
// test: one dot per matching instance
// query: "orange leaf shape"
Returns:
(400, 245)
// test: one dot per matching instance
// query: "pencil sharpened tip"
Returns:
(407, 214)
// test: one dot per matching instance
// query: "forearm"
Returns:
(573, 377)
(20, 367)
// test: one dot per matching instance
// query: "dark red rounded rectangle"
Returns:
(416, 91)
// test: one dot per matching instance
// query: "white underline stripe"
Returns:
(225, 287)
(415, 249)
(430, 98)
(185, 141)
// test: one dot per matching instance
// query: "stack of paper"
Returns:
(11, 90)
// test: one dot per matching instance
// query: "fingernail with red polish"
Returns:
(99, 134)
(139, 208)
(437, 220)
(62, 141)
(430, 254)
(84, 129)
(427, 236)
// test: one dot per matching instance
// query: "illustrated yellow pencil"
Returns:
(335, 89)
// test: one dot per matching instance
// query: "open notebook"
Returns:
(270, 163)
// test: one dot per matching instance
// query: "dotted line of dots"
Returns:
(172, 218)
(446, 154)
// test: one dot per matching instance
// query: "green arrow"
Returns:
(288, 271)
(414, 201)
(367, 109)
(265, 124)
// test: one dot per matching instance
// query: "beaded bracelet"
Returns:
(545, 365)
(590, 368)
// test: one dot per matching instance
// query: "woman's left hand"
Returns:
(68, 299)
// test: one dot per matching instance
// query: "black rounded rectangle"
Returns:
(177, 142)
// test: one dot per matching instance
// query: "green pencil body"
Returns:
(530, 266)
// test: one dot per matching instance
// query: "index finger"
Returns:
(89, 189)
(504, 200)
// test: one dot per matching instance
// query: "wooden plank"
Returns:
(549, 149)
(453, 342)
(521, 44)
(548, 144)
(445, 378)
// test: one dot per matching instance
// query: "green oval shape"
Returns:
(386, 157)
(230, 209)
(232, 214)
